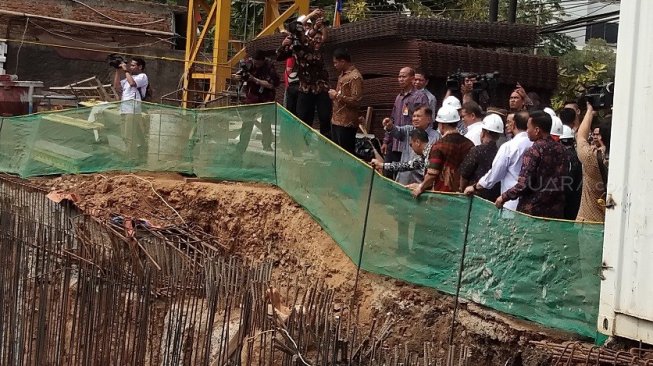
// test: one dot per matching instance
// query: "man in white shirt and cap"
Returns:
(507, 164)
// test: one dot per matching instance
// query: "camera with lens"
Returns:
(454, 80)
(244, 69)
(296, 30)
(486, 82)
(600, 96)
(115, 60)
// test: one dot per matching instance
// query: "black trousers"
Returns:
(246, 133)
(292, 94)
(345, 137)
(306, 105)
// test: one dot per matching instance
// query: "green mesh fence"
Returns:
(546, 271)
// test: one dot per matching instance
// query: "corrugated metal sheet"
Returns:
(626, 307)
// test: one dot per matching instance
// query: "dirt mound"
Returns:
(262, 222)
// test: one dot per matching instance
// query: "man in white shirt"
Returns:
(508, 161)
(472, 114)
(132, 90)
(133, 87)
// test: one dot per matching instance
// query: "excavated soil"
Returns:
(262, 222)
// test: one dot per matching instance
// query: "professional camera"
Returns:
(296, 30)
(600, 96)
(245, 68)
(488, 81)
(115, 60)
(454, 80)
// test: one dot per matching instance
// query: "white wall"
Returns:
(626, 306)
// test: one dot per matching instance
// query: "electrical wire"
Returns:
(102, 44)
(150, 57)
(116, 20)
(22, 40)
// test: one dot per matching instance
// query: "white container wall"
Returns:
(626, 307)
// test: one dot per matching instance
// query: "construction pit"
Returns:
(161, 269)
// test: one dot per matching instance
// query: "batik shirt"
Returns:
(478, 162)
(445, 157)
(540, 186)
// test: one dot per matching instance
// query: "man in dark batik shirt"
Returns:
(479, 159)
(311, 70)
(540, 187)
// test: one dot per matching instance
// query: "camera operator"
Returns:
(133, 87)
(259, 81)
(311, 70)
(467, 87)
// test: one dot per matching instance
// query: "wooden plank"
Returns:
(75, 122)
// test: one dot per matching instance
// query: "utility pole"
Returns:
(494, 10)
(512, 11)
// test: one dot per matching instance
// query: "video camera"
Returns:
(454, 80)
(244, 69)
(296, 31)
(488, 81)
(600, 96)
(115, 60)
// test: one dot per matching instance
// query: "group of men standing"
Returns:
(523, 158)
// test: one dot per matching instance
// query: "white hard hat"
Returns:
(452, 101)
(556, 126)
(550, 112)
(493, 123)
(447, 114)
(567, 132)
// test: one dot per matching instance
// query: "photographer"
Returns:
(311, 71)
(259, 81)
(133, 87)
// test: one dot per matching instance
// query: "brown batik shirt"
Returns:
(540, 186)
(347, 101)
(593, 187)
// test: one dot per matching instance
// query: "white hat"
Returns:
(447, 114)
(550, 112)
(556, 126)
(452, 101)
(567, 132)
(493, 123)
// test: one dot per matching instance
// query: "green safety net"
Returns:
(546, 271)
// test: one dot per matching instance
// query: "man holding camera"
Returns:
(311, 71)
(133, 87)
(259, 81)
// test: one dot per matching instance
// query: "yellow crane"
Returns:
(217, 15)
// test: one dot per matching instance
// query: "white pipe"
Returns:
(77, 22)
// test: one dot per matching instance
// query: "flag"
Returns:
(337, 14)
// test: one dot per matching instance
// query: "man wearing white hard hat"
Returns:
(445, 157)
(480, 157)
(454, 103)
(574, 179)
(508, 161)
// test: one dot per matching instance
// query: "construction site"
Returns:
(174, 245)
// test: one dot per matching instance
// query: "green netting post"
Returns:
(276, 144)
(367, 214)
(460, 279)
